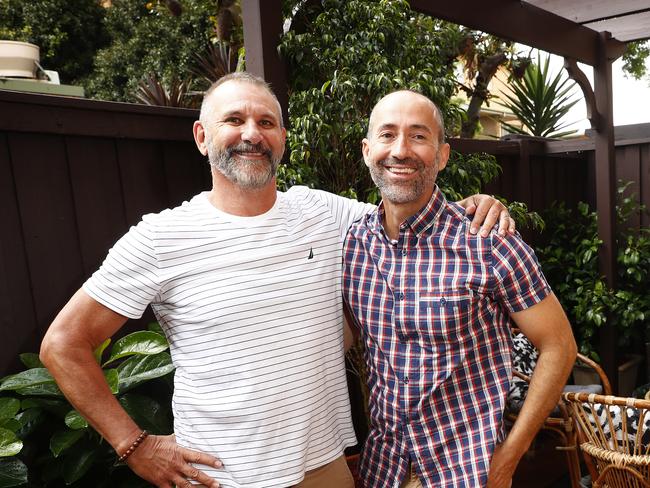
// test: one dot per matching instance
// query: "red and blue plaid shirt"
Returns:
(432, 308)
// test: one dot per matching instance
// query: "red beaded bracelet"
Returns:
(143, 435)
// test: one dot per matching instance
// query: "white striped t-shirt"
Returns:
(251, 307)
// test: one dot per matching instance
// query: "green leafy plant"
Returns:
(343, 56)
(68, 32)
(540, 101)
(45, 442)
(569, 258)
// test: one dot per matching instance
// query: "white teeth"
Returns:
(401, 171)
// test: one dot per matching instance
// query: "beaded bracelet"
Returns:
(143, 435)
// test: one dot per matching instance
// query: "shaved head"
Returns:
(437, 115)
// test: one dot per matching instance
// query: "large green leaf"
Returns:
(26, 379)
(9, 407)
(31, 360)
(64, 439)
(44, 389)
(147, 413)
(13, 472)
(139, 369)
(29, 421)
(155, 327)
(75, 421)
(100, 350)
(58, 407)
(10, 445)
(10, 424)
(77, 463)
(112, 378)
(141, 343)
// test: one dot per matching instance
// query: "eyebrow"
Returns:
(424, 127)
(240, 113)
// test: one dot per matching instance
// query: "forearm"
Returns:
(548, 380)
(67, 352)
(82, 381)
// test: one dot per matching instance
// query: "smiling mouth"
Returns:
(250, 154)
(251, 151)
(400, 170)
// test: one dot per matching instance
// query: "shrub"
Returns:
(44, 440)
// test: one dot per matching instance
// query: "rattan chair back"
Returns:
(615, 433)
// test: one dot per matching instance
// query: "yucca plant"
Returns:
(540, 100)
(153, 91)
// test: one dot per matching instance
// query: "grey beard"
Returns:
(249, 174)
(405, 193)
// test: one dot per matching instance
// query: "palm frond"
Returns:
(540, 100)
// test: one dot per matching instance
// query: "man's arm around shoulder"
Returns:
(67, 352)
(548, 328)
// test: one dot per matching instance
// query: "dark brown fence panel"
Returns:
(74, 175)
(18, 318)
(143, 178)
(185, 171)
(48, 218)
(97, 194)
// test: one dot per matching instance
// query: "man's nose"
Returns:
(251, 133)
(400, 148)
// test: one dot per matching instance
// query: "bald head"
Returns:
(400, 97)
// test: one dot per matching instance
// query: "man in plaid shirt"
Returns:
(434, 305)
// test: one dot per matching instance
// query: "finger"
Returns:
(512, 226)
(490, 219)
(471, 206)
(191, 473)
(480, 214)
(181, 482)
(198, 457)
(504, 222)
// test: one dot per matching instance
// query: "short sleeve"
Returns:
(520, 281)
(345, 210)
(128, 279)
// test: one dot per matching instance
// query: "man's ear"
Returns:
(365, 150)
(443, 155)
(199, 137)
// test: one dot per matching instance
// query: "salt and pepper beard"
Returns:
(404, 192)
(251, 174)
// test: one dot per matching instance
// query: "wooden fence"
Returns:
(75, 174)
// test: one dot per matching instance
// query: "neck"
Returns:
(396, 213)
(243, 202)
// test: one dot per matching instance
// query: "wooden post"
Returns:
(263, 28)
(606, 196)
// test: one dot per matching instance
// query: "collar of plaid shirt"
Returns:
(430, 308)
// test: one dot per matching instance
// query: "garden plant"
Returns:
(45, 442)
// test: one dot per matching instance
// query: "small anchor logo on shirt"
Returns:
(311, 254)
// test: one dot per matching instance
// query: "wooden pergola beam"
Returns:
(524, 23)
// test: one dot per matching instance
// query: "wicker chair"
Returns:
(614, 432)
(559, 423)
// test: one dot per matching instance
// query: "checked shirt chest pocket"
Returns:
(444, 316)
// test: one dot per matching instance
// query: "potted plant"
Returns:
(18, 59)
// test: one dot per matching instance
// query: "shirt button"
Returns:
(404, 252)
(406, 380)
(400, 296)
(442, 302)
